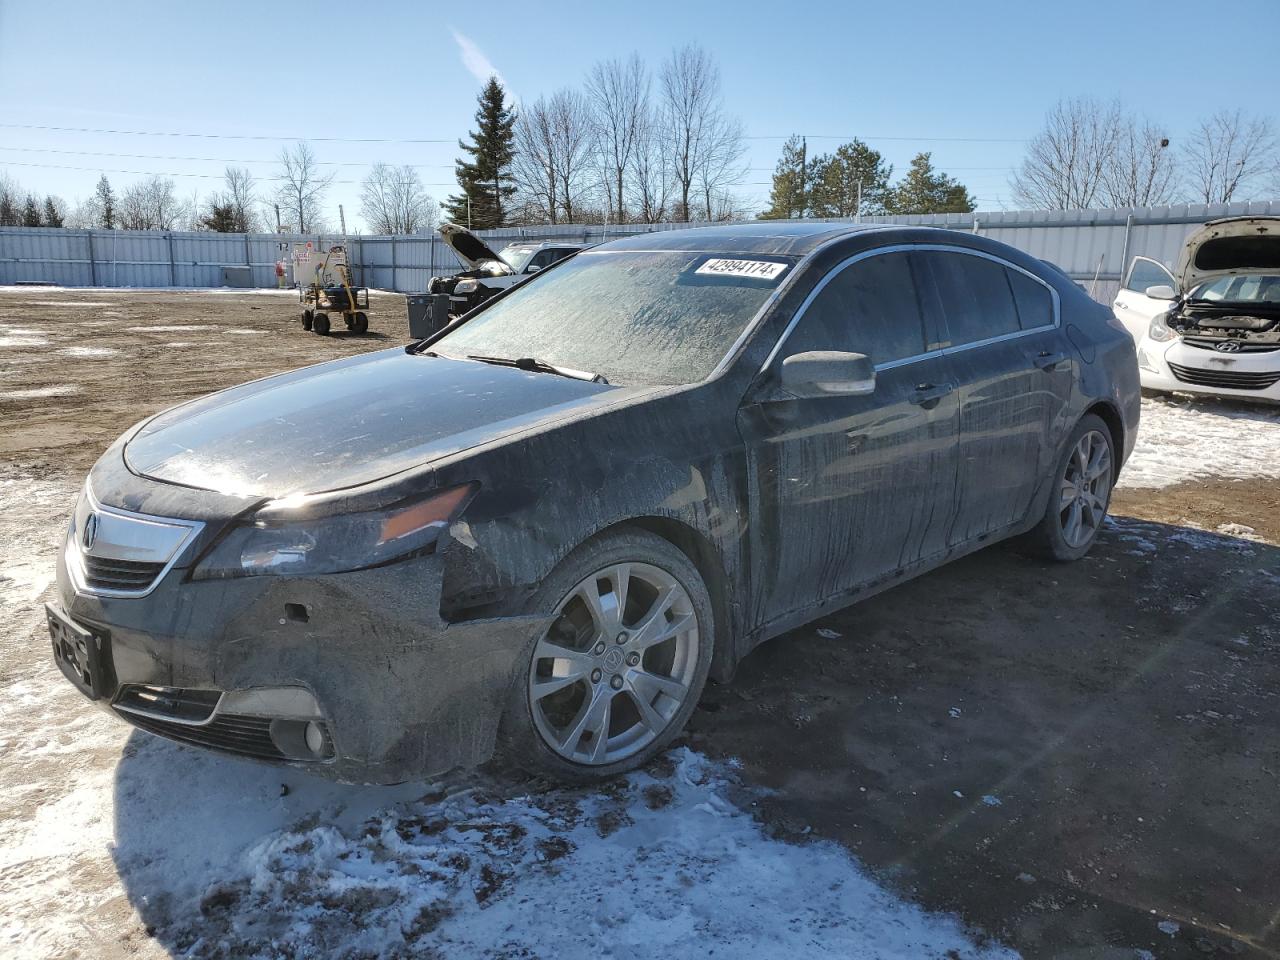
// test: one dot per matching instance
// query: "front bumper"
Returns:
(1177, 366)
(398, 692)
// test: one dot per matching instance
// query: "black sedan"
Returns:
(542, 530)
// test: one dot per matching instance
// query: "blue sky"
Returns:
(969, 81)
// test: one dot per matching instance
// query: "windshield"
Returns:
(1250, 288)
(639, 317)
(516, 257)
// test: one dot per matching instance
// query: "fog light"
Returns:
(314, 737)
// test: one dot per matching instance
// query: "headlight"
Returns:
(1159, 331)
(467, 286)
(272, 543)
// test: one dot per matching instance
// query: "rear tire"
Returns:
(601, 692)
(307, 317)
(320, 324)
(1080, 493)
(361, 323)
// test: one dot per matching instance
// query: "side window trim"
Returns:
(945, 348)
(1128, 277)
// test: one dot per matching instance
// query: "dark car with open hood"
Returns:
(542, 530)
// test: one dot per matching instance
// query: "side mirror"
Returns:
(1161, 291)
(534, 268)
(825, 373)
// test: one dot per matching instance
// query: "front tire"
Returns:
(320, 324)
(617, 674)
(1080, 494)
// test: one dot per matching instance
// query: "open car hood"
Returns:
(471, 250)
(1225, 247)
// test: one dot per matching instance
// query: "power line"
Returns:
(259, 136)
(167, 173)
(160, 156)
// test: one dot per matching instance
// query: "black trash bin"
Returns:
(428, 313)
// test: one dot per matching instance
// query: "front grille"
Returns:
(169, 703)
(1225, 379)
(1246, 346)
(103, 573)
(248, 736)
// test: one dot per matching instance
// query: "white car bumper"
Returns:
(1176, 365)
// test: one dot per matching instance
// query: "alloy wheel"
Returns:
(1085, 485)
(616, 664)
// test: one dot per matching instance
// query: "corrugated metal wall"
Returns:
(1093, 246)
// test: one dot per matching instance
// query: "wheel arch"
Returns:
(1105, 411)
(706, 559)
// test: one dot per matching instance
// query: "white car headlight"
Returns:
(467, 286)
(1160, 331)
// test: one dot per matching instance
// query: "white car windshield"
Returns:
(1249, 288)
(516, 257)
(642, 317)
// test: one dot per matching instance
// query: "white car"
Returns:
(488, 273)
(1212, 326)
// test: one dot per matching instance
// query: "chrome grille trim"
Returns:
(130, 552)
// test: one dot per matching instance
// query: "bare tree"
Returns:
(152, 204)
(1067, 161)
(553, 152)
(701, 145)
(618, 95)
(1142, 171)
(241, 195)
(1227, 154)
(651, 180)
(302, 188)
(393, 201)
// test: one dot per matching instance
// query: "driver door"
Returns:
(849, 490)
(1132, 307)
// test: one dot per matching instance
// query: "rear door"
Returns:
(1132, 307)
(1015, 374)
(850, 489)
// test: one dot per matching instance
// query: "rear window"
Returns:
(636, 317)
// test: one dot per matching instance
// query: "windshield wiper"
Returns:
(534, 365)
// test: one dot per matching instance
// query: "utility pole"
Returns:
(857, 211)
(277, 206)
(342, 219)
(804, 174)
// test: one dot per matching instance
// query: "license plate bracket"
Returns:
(77, 652)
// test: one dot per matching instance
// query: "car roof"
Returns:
(545, 243)
(760, 237)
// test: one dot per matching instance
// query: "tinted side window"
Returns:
(869, 307)
(1035, 302)
(1145, 274)
(975, 294)
(543, 258)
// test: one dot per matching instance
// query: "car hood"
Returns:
(474, 253)
(349, 422)
(1230, 246)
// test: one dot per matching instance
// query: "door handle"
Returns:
(1120, 305)
(927, 395)
(1048, 362)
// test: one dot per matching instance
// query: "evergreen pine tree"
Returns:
(52, 215)
(923, 190)
(486, 177)
(853, 173)
(221, 218)
(30, 213)
(9, 213)
(106, 203)
(789, 197)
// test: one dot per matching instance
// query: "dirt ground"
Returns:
(1083, 760)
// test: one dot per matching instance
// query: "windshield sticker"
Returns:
(754, 269)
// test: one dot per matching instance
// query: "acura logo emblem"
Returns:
(1227, 346)
(90, 531)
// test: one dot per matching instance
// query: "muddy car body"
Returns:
(551, 556)
(1216, 320)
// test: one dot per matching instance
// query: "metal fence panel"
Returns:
(1093, 246)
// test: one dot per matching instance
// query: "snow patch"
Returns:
(89, 352)
(35, 393)
(1181, 440)
(173, 328)
(660, 863)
